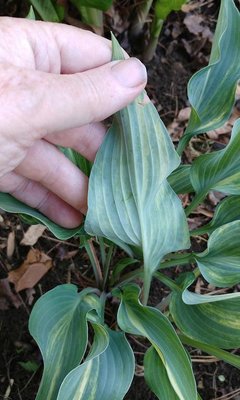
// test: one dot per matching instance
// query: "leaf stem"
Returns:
(102, 250)
(185, 259)
(137, 273)
(146, 286)
(196, 201)
(95, 262)
(141, 14)
(166, 280)
(106, 266)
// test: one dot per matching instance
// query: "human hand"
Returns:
(56, 84)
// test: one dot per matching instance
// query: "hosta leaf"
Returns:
(31, 14)
(156, 376)
(12, 205)
(219, 170)
(180, 181)
(195, 298)
(210, 108)
(81, 162)
(216, 323)
(120, 267)
(103, 5)
(129, 198)
(229, 358)
(59, 326)
(48, 10)
(220, 262)
(107, 372)
(164, 7)
(228, 210)
(151, 323)
(192, 298)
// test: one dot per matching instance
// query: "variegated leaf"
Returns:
(129, 198)
(211, 91)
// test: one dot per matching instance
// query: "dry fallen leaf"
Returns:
(10, 244)
(32, 235)
(36, 265)
(195, 25)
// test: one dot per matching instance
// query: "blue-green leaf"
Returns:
(58, 323)
(219, 170)
(220, 262)
(216, 323)
(228, 210)
(130, 200)
(12, 205)
(106, 373)
(156, 376)
(151, 323)
(211, 91)
(180, 181)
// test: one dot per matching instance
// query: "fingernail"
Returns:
(130, 73)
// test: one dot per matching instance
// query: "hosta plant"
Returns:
(133, 203)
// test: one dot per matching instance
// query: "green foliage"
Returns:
(107, 371)
(211, 91)
(48, 10)
(12, 205)
(228, 210)
(138, 154)
(151, 323)
(133, 203)
(220, 262)
(204, 321)
(98, 4)
(155, 372)
(164, 7)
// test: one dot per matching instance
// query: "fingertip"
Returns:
(130, 73)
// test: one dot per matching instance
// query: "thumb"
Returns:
(50, 102)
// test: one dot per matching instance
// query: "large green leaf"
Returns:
(106, 373)
(12, 205)
(103, 5)
(129, 198)
(48, 10)
(220, 262)
(151, 323)
(228, 210)
(219, 170)
(211, 91)
(215, 323)
(164, 7)
(58, 324)
(156, 376)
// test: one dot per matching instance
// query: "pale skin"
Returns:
(57, 83)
